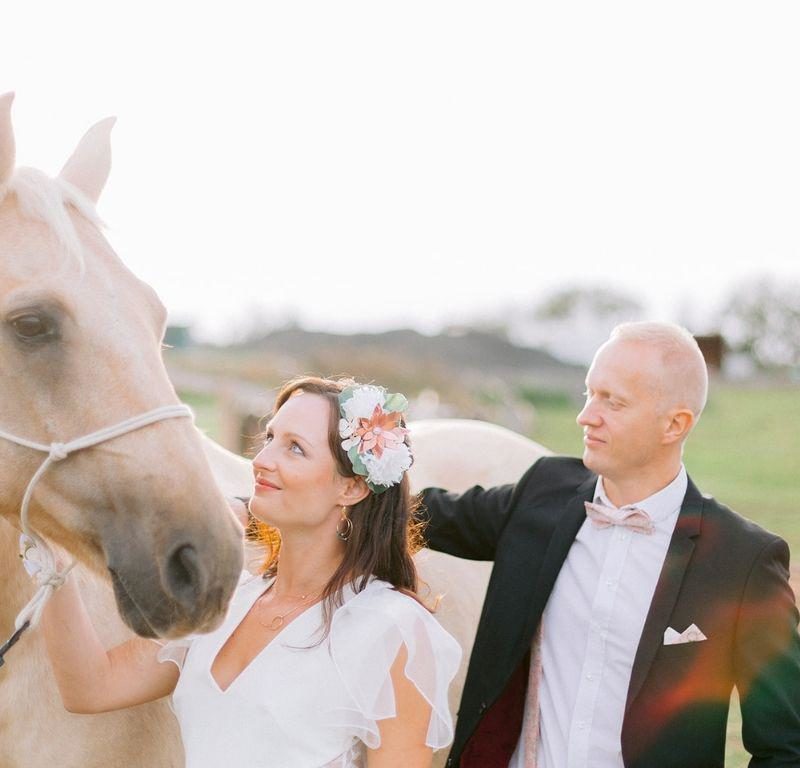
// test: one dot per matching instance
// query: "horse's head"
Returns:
(80, 350)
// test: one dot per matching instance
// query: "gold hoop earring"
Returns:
(344, 528)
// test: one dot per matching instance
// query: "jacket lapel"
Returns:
(566, 529)
(679, 554)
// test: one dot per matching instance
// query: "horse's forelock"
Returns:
(47, 200)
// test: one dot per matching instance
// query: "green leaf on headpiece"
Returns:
(345, 395)
(395, 403)
(377, 489)
(355, 459)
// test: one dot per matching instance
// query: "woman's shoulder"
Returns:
(368, 632)
(384, 599)
(381, 616)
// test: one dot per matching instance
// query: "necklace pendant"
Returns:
(276, 623)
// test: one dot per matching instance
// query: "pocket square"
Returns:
(690, 635)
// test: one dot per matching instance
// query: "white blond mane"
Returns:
(48, 200)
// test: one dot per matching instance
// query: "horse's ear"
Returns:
(7, 146)
(90, 164)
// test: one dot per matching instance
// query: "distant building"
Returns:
(178, 336)
(713, 349)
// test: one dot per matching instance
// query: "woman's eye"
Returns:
(295, 448)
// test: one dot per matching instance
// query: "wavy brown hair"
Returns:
(386, 529)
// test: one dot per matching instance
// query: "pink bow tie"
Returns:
(629, 517)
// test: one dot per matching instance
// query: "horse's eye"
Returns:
(31, 327)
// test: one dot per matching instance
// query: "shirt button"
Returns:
(610, 582)
(581, 726)
(590, 676)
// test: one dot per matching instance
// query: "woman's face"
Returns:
(297, 484)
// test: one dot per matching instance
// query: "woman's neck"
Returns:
(307, 564)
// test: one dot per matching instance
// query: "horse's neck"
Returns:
(16, 587)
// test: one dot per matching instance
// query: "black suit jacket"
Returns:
(721, 572)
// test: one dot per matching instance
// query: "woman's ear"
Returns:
(353, 491)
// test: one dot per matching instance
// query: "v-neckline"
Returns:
(248, 606)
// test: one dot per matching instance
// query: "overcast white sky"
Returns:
(365, 165)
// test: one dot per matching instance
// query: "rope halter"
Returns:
(37, 556)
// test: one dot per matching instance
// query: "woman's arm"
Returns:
(90, 678)
(403, 736)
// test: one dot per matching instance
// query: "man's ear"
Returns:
(679, 425)
(353, 491)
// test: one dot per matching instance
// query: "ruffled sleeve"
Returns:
(174, 650)
(367, 633)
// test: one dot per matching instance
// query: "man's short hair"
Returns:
(685, 380)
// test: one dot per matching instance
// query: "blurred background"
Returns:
(457, 200)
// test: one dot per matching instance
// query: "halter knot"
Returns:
(58, 451)
(50, 579)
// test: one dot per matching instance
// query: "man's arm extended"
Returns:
(468, 524)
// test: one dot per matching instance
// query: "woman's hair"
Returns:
(386, 530)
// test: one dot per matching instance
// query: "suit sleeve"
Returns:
(768, 662)
(468, 524)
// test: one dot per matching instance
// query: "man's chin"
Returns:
(591, 462)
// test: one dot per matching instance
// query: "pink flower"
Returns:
(381, 431)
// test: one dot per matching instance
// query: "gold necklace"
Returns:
(278, 620)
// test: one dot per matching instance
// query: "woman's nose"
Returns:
(263, 459)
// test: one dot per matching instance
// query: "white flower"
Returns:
(350, 442)
(389, 468)
(362, 403)
(346, 428)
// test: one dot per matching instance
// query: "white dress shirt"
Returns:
(591, 628)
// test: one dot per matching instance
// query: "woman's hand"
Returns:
(240, 511)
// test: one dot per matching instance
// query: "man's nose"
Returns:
(589, 415)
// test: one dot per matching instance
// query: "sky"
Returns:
(356, 166)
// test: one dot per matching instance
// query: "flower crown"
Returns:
(373, 437)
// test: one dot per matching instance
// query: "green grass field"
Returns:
(745, 451)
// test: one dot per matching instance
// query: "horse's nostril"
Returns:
(185, 576)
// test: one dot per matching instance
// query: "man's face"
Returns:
(623, 420)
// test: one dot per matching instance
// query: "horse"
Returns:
(143, 513)
(95, 458)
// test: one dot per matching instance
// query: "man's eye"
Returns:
(268, 439)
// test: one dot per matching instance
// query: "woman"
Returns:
(328, 659)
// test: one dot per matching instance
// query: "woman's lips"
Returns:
(265, 485)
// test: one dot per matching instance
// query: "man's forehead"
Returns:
(623, 364)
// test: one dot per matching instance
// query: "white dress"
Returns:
(305, 704)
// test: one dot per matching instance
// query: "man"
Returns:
(623, 605)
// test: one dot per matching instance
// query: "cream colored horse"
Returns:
(80, 351)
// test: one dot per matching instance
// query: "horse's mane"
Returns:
(47, 200)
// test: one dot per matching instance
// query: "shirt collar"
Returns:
(660, 505)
